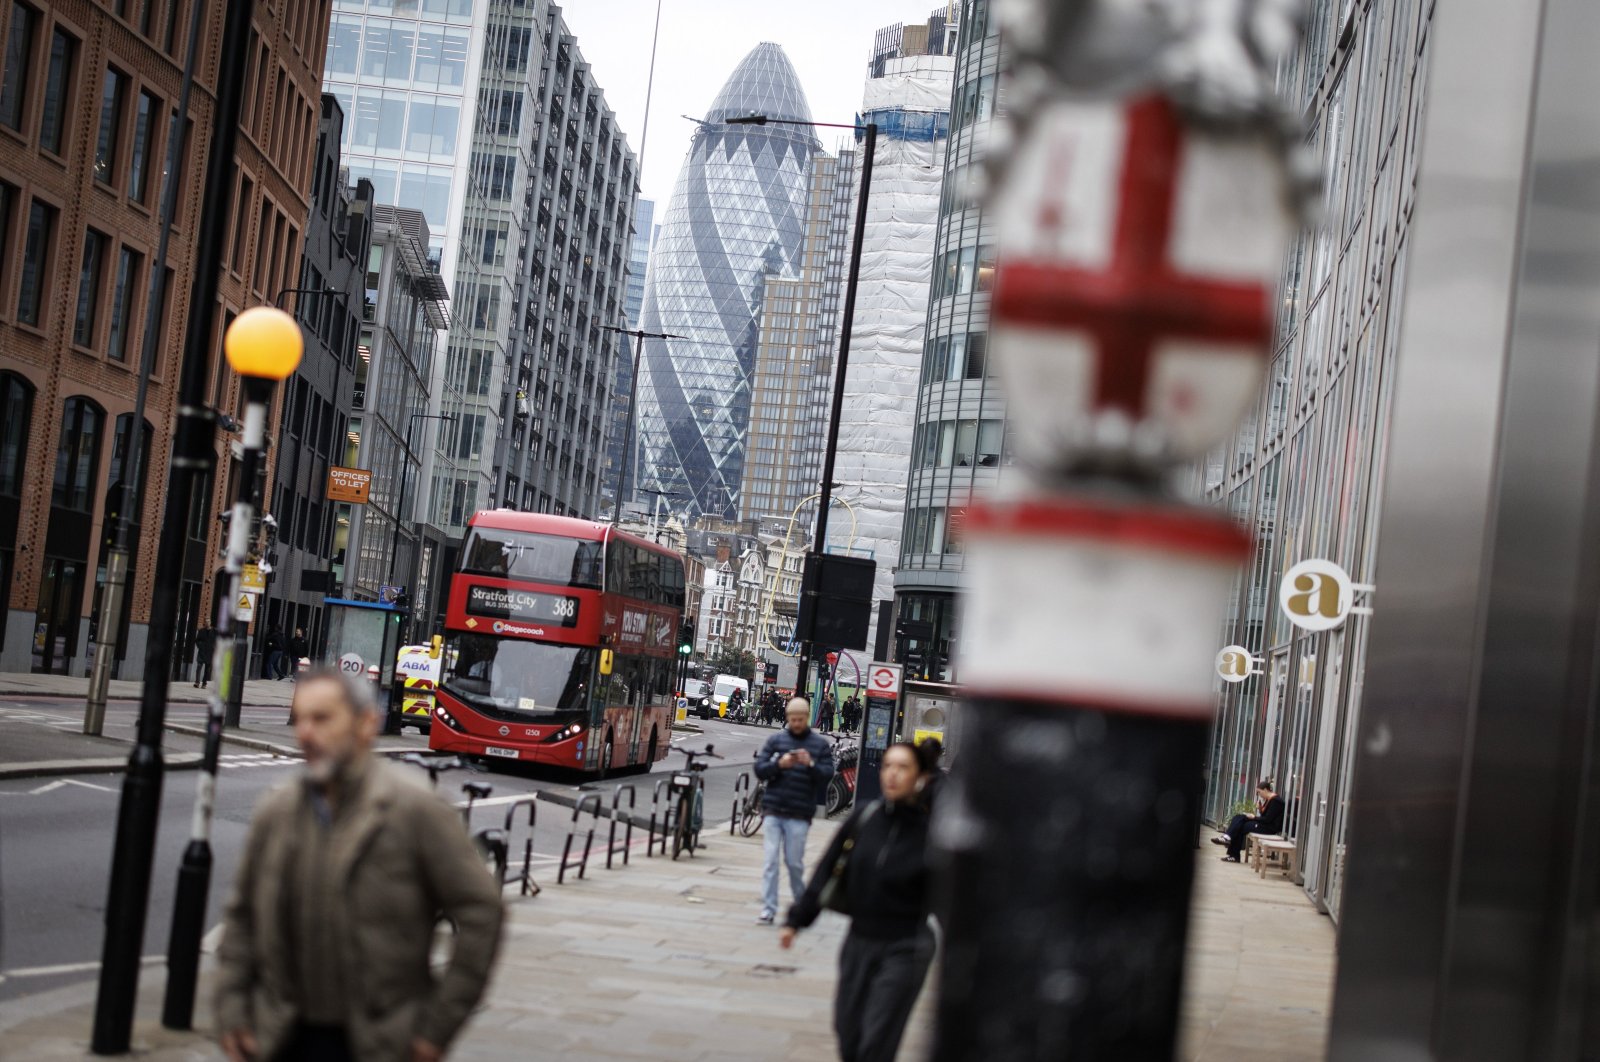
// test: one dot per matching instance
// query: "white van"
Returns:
(721, 690)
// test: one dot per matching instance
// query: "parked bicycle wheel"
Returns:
(683, 829)
(838, 796)
(750, 820)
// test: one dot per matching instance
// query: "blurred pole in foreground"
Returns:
(1144, 188)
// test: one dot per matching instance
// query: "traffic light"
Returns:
(686, 639)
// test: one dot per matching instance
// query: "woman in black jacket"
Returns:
(879, 858)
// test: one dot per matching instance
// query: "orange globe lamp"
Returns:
(263, 343)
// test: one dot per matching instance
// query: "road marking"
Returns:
(50, 787)
(258, 759)
(69, 968)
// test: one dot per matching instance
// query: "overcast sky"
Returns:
(703, 40)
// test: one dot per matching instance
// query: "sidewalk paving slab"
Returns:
(664, 959)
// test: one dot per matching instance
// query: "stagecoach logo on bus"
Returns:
(506, 627)
(510, 603)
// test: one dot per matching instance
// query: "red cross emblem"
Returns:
(1139, 300)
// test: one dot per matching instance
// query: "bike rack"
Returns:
(591, 801)
(741, 785)
(652, 843)
(627, 836)
(528, 886)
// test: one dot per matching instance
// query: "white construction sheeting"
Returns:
(910, 101)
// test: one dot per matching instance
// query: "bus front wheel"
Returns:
(604, 770)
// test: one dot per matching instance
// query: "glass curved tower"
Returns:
(737, 217)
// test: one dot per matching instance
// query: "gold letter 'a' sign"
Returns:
(1235, 664)
(1317, 595)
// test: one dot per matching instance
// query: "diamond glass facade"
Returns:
(737, 218)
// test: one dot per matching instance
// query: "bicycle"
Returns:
(492, 844)
(751, 815)
(842, 786)
(689, 788)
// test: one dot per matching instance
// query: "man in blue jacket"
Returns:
(796, 764)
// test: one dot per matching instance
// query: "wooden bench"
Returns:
(1277, 855)
(1253, 852)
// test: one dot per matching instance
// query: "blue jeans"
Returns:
(790, 836)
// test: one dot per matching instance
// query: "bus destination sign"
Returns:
(505, 602)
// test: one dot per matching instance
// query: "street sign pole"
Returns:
(139, 810)
(1140, 227)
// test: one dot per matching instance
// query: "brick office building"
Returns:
(87, 99)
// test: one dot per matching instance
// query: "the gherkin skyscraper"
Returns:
(737, 217)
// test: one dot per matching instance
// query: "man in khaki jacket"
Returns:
(345, 874)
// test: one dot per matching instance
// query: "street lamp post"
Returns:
(263, 345)
(234, 692)
(633, 407)
(266, 593)
(869, 147)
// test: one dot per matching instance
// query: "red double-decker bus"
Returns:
(559, 644)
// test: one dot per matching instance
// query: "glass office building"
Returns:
(959, 443)
(737, 217)
(1305, 471)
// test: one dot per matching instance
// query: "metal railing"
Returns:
(592, 802)
(616, 812)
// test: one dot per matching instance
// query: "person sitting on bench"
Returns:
(1267, 819)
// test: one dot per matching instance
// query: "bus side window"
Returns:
(586, 564)
(616, 568)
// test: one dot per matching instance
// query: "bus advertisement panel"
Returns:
(560, 645)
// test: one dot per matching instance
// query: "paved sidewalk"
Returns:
(664, 960)
(22, 684)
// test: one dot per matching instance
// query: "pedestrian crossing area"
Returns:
(233, 760)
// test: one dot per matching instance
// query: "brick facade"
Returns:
(58, 547)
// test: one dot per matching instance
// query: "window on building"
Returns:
(144, 135)
(89, 272)
(388, 50)
(243, 204)
(141, 473)
(16, 408)
(129, 264)
(18, 76)
(441, 58)
(35, 262)
(112, 94)
(57, 91)
(431, 129)
(78, 456)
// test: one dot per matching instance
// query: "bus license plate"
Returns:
(682, 779)
(509, 754)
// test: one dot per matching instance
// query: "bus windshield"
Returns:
(526, 679)
(536, 558)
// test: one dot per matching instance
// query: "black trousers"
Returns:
(1240, 827)
(878, 985)
(317, 1043)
